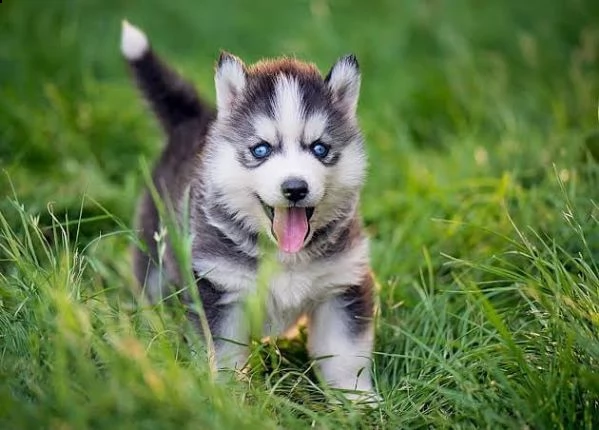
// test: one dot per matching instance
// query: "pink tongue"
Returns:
(290, 226)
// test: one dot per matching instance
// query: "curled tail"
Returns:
(173, 99)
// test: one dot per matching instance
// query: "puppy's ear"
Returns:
(230, 80)
(344, 82)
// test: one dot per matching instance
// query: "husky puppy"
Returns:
(281, 156)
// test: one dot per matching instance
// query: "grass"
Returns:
(481, 202)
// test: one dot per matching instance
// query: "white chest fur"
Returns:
(298, 287)
(294, 288)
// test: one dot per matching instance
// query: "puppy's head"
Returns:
(286, 153)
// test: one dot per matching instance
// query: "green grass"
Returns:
(481, 201)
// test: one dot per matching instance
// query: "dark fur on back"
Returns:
(185, 119)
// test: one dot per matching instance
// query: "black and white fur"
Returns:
(289, 104)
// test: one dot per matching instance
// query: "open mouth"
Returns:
(290, 225)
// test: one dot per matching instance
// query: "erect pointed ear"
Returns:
(230, 80)
(344, 82)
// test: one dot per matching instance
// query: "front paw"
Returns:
(368, 398)
(228, 375)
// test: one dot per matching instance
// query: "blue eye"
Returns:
(319, 149)
(261, 150)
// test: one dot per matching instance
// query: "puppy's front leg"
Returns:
(340, 337)
(227, 324)
(231, 338)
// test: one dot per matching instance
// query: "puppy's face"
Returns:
(286, 154)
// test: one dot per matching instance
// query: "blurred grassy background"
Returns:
(481, 122)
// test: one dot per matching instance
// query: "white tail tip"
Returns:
(134, 42)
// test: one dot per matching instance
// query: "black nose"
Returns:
(294, 189)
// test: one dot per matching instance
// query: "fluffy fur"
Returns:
(288, 104)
